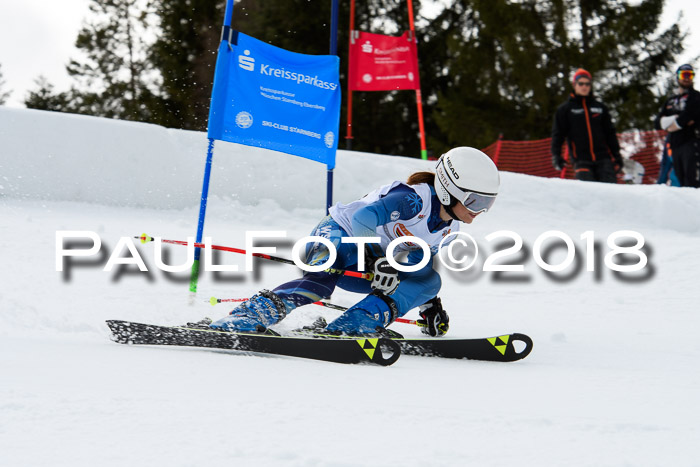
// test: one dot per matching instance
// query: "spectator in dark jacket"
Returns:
(680, 116)
(586, 125)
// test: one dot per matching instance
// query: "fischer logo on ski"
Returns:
(503, 343)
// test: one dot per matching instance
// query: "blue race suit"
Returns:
(399, 203)
(390, 212)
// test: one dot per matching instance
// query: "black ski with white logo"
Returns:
(379, 351)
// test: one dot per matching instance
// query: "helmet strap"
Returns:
(448, 209)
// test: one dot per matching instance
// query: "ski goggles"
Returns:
(477, 202)
(686, 74)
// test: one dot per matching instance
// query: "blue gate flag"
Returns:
(276, 99)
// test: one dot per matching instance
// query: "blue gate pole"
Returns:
(329, 190)
(333, 51)
(202, 213)
(334, 27)
(229, 13)
(194, 275)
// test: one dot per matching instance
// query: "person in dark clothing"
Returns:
(680, 116)
(585, 123)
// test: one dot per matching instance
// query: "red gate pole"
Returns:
(419, 99)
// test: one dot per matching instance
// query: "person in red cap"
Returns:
(680, 116)
(585, 124)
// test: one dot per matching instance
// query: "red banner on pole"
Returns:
(383, 63)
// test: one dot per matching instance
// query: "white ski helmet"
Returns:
(469, 176)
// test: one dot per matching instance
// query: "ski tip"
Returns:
(213, 301)
(381, 351)
(508, 349)
(525, 351)
(145, 238)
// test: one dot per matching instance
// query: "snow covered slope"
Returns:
(612, 379)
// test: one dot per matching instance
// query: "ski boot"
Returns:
(254, 315)
(370, 316)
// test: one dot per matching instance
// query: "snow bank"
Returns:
(62, 157)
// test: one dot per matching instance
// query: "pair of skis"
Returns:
(382, 351)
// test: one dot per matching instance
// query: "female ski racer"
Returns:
(428, 206)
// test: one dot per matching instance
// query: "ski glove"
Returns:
(435, 321)
(385, 277)
(558, 162)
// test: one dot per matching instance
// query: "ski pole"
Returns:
(362, 275)
(214, 301)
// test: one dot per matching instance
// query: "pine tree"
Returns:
(45, 98)
(114, 79)
(511, 79)
(4, 95)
